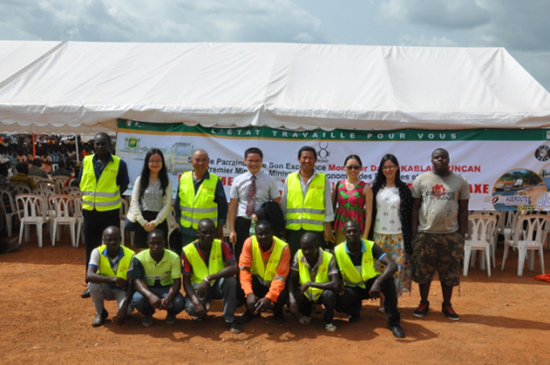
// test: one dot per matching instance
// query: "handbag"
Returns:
(130, 226)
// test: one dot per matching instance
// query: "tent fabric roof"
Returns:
(84, 87)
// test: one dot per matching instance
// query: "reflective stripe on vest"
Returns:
(202, 205)
(105, 268)
(103, 194)
(200, 271)
(309, 212)
(321, 277)
(161, 271)
(267, 272)
(350, 275)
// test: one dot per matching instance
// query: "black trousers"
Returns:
(94, 224)
(328, 299)
(141, 234)
(242, 228)
(260, 292)
(350, 301)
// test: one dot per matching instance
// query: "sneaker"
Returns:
(305, 320)
(450, 312)
(397, 331)
(147, 320)
(100, 318)
(422, 309)
(330, 327)
(85, 294)
(170, 319)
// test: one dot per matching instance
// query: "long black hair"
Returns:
(163, 173)
(380, 179)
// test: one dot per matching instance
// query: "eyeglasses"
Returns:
(386, 168)
(353, 167)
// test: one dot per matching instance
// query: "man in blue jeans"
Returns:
(157, 280)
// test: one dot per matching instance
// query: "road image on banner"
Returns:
(506, 169)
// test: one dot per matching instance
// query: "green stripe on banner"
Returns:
(341, 134)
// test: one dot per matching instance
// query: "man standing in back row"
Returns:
(439, 224)
(200, 195)
(307, 202)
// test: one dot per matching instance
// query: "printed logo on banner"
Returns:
(322, 152)
(132, 142)
(542, 153)
(543, 202)
(512, 200)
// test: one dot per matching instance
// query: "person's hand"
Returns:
(165, 303)
(262, 305)
(154, 301)
(294, 306)
(122, 314)
(254, 217)
(251, 302)
(149, 226)
(328, 235)
(233, 237)
(121, 283)
(305, 286)
(199, 307)
(374, 291)
(202, 290)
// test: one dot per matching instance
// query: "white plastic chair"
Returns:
(6, 199)
(71, 190)
(32, 211)
(48, 185)
(507, 226)
(23, 189)
(529, 239)
(79, 220)
(64, 206)
(480, 238)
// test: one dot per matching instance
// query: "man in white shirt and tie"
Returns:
(248, 192)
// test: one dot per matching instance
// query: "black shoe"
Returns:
(85, 294)
(396, 330)
(234, 326)
(13, 248)
(422, 309)
(246, 317)
(100, 318)
(278, 319)
(354, 318)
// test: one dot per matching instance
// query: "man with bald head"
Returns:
(103, 179)
(108, 276)
(200, 195)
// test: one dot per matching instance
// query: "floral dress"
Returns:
(351, 205)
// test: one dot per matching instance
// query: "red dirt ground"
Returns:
(503, 320)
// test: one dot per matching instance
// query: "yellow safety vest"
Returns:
(321, 277)
(200, 270)
(350, 275)
(123, 264)
(161, 271)
(202, 205)
(102, 194)
(309, 212)
(267, 272)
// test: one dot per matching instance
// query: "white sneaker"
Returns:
(305, 320)
(330, 327)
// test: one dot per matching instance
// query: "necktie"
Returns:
(250, 203)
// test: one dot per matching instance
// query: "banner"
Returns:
(506, 169)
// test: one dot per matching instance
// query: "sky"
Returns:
(521, 27)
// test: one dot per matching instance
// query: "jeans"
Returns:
(224, 288)
(141, 303)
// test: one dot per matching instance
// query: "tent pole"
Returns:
(33, 146)
(76, 144)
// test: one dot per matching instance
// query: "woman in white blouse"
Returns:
(151, 198)
(392, 219)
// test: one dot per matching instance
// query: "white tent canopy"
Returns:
(80, 87)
